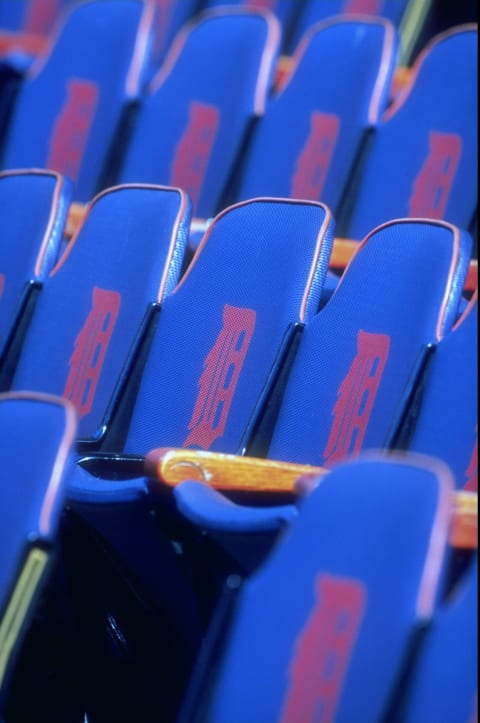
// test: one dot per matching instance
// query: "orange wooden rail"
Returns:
(229, 472)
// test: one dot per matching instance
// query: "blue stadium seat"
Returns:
(101, 299)
(319, 120)
(220, 340)
(422, 158)
(33, 212)
(325, 626)
(444, 422)
(73, 99)
(444, 679)
(36, 445)
(197, 111)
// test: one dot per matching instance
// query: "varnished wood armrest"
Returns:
(230, 472)
(226, 471)
(464, 533)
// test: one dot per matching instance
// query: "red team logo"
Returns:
(194, 149)
(323, 651)
(471, 485)
(433, 184)
(356, 397)
(72, 128)
(40, 16)
(314, 160)
(219, 378)
(91, 346)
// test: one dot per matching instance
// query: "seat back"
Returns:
(422, 160)
(258, 272)
(33, 212)
(191, 126)
(285, 11)
(319, 120)
(314, 11)
(324, 627)
(73, 99)
(361, 355)
(36, 443)
(446, 421)
(125, 258)
(445, 677)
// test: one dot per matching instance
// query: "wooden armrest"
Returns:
(401, 79)
(230, 472)
(76, 214)
(464, 533)
(226, 471)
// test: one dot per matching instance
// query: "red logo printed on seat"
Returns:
(40, 16)
(72, 128)
(2, 284)
(314, 160)
(356, 396)
(471, 485)
(323, 651)
(219, 378)
(262, 4)
(91, 346)
(194, 148)
(432, 186)
(369, 7)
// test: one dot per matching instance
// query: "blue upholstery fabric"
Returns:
(31, 16)
(348, 381)
(170, 15)
(445, 677)
(33, 211)
(71, 102)
(422, 161)
(203, 507)
(447, 421)
(126, 255)
(325, 624)
(194, 118)
(37, 434)
(265, 260)
(399, 293)
(319, 119)
(285, 10)
(314, 11)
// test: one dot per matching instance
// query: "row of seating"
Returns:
(354, 614)
(215, 129)
(216, 413)
(211, 362)
(27, 24)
